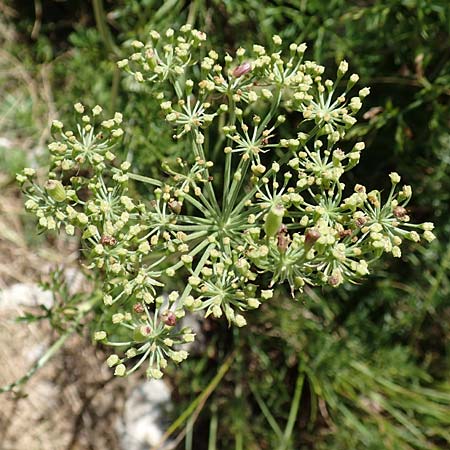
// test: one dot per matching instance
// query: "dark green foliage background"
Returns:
(370, 362)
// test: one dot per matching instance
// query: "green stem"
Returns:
(293, 412)
(198, 268)
(212, 440)
(228, 157)
(192, 253)
(52, 350)
(192, 14)
(236, 185)
(199, 401)
(144, 179)
(270, 114)
(266, 411)
(198, 149)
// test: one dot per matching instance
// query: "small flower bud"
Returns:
(395, 177)
(311, 236)
(55, 190)
(100, 335)
(120, 370)
(138, 308)
(79, 108)
(364, 92)
(96, 110)
(267, 294)
(154, 373)
(274, 220)
(112, 360)
(343, 67)
(277, 40)
(239, 320)
(140, 334)
(242, 69)
(429, 236)
(175, 206)
(335, 279)
(427, 226)
(399, 212)
(122, 63)
(108, 240)
(169, 318)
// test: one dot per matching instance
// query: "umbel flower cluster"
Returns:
(243, 209)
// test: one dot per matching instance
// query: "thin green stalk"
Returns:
(144, 179)
(193, 10)
(198, 148)
(56, 346)
(235, 186)
(212, 439)
(193, 252)
(266, 411)
(189, 435)
(287, 436)
(228, 157)
(239, 441)
(199, 401)
(226, 178)
(111, 48)
(271, 112)
(102, 27)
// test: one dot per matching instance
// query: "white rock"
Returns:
(24, 294)
(142, 424)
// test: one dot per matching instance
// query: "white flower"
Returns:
(96, 110)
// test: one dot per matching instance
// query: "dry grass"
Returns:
(72, 403)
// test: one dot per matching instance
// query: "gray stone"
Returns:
(143, 423)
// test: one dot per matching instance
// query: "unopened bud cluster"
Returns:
(244, 209)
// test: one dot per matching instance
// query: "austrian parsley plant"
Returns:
(243, 209)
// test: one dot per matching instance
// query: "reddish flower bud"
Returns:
(399, 212)
(360, 221)
(344, 233)
(169, 318)
(333, 280)
(244, 68)
(283, 238)
(175, 206)
(108, 240)
(142, 333)
(311, 237)
(138, 308)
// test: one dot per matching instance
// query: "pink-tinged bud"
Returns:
(333, 280)
(138, 308)
(283, 238)
(345, 233)
(175, 206)
(108, 240)
(169, 318)
(360, 221)
(142, 333)
(311, 237)
(399, 212)
(244, 68)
